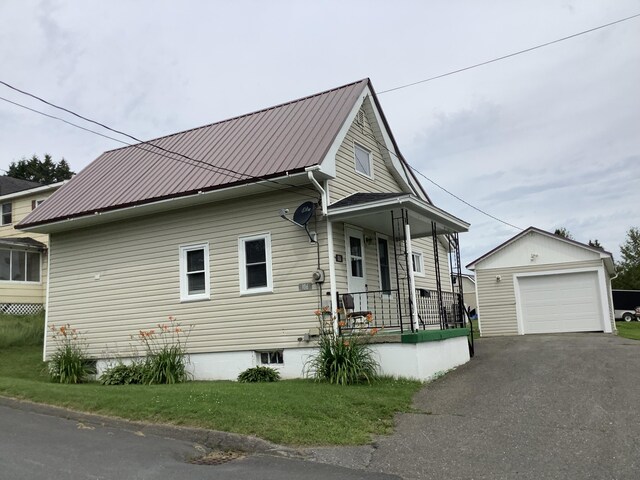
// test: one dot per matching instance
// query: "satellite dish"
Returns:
(301, 217)
(303, 213)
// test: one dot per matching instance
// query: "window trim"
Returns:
(242, 263)
(420, 272)
(184, 282)
(25, 281)
(2, 214)
(279, 352)
(355, 160)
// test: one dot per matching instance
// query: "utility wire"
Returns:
(403, 161)
(199, 163)
(219, 169)
(520, 52)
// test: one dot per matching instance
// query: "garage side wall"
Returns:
(497, 300)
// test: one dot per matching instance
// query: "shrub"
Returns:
(123, 374)
(259, 374)
(343, 359)
(69, 363)
(166, 353)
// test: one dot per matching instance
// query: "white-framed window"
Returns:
(254, 253)
(273, 357)
(5, 214)
(19, 266)
(417, 260)
(362, 158)
(36, 203)
(194, 272)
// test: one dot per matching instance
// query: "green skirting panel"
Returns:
(434, 335)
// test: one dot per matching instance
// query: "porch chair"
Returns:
(354, 319)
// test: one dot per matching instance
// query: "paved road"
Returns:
(38, 447)
(535, 407)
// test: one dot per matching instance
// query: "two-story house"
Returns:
(23, 257)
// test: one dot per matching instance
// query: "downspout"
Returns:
(412, 281)
(324, 192)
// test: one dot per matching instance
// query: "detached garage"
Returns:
(538, 282)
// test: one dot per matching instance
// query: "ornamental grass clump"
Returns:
(346, 359)
(166, 353)
(70, 362)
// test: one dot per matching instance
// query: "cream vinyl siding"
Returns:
(113, 280)
(347, 180)
(21, 207)
(497, 300)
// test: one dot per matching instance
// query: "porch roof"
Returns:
(27, 243)
(373, 211)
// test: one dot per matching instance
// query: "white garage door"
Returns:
(560, 303)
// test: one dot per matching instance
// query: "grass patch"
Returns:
(21, 330)
(629, 330)
(293, 412)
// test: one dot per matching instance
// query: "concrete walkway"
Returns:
(535, 407)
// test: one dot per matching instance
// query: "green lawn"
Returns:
(629, 330)
(292, 412)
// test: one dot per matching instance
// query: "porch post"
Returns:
(332, 276)
(412, 280)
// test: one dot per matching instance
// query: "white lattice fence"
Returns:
(20, 308)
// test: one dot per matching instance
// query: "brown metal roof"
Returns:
(283, 139)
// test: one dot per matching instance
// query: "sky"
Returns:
(550, 138)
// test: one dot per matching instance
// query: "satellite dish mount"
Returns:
(301, 217)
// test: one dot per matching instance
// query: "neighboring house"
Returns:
(205, 235)
(23, 258)
(469, 290)
(538, 282)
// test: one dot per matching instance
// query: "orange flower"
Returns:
(374, 331)
(318, 312)
(342, 323)
(63, 329)
(369, 318)
(171, 318)
(346, 343)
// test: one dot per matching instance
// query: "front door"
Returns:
(356, 267)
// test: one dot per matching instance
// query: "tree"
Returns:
(563, 232)
(42, 171)
(595, 243)
(629, 267)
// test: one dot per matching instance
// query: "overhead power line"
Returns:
(503, 57)
(198, 163)
(402, 160)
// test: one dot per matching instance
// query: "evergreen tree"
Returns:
(42, 171)
(629, 268)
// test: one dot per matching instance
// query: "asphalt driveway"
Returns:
(534, 407)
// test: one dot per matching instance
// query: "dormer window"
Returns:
(363, 160)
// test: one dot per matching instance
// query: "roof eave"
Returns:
(160, 205)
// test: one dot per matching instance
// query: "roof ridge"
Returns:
(219, 122)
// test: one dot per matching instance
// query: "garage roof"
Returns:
(604, 255)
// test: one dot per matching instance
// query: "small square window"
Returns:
(271, 358)
(194, 272)
(5, 214)
(363, 160)
(418, 263)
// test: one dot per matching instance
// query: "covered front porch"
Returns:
(400, 272)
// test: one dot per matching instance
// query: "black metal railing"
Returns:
(391, 309)
(371, 309)
(431, 314)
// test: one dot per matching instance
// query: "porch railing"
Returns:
(391, 309)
